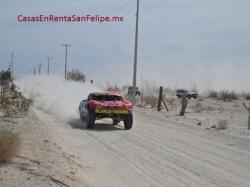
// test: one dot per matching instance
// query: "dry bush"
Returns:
(9, 146)
(14, 102)
(213, 94)
(150, 100)
(24, 104)
(76, 75)
(246, 96)
(225, 95)
(221, 125)
(5, 104)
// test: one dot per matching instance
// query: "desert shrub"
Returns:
(150, 100)
(9, 146)
(213, 94)
(24, 105)
(5, 75)
(75, 75)
(225, 95)
(13, 87)
(13, 103)
(221, 125)
(4, 102)
(246, 96)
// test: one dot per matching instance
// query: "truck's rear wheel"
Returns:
(90, 119)
(128, 121)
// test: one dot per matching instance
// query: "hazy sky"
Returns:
(189, 42)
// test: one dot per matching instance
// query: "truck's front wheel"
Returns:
(90, 119)
(128, 121)
(81, 117)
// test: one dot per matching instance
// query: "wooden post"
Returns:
(184, 103)
(160, 98)
(248, 110)
(166, 107)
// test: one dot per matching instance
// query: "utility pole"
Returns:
(34, 69)
(48, 64)
(40, 67)
(12, 65)
(66, 58)
(142, 87)
(135, 54)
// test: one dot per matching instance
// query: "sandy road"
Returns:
(156, 152)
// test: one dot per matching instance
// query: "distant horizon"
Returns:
(150, 85)
(201, 43)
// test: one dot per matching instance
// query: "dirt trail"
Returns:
(154, 153)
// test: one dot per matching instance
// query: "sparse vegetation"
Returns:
(13, 102)
(76, 75)
(224, 95)
(150, 100)
(5, 75)
(9, 146)
(213, 94)
(246, 96)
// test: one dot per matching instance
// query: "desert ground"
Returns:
(162, 149)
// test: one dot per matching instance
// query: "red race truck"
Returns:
(100, 105)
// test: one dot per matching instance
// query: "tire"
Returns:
(81, 117)
(115, 121)
(128, 122)
(90, 119)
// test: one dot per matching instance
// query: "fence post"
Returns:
(160, 98)
(166, 107)
(184, 103)
(248, 110)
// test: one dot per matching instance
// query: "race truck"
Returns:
(100, 105)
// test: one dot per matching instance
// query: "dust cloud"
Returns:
(55, 95)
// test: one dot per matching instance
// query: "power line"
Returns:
(156, 5)
(118, 5)
(48, 70)
(66, 58)
(34, 71)
(123, 6)
(40, 68)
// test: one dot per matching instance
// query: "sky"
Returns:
(182, 43)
